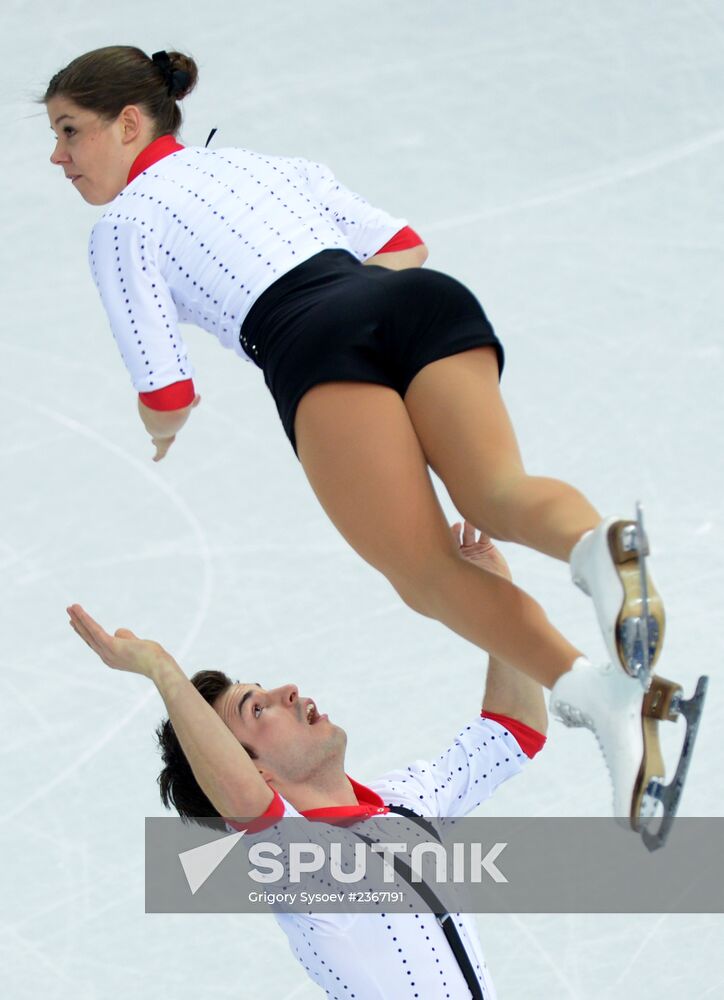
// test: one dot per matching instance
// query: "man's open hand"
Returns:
(478, 548)
(121, 651)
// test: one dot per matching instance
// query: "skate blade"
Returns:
(631, 633)
(663, 703)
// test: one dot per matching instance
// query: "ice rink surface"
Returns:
(562, 158)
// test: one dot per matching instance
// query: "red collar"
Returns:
(368, 804)
(163, 146)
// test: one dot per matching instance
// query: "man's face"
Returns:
(291, 742)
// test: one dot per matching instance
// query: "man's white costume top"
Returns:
(382, 956)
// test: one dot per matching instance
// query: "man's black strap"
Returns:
(436, 905)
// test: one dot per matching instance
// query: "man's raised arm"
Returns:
(221, 766)
(508, 692)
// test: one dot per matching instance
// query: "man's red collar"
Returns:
(163, 146)
(368, 804)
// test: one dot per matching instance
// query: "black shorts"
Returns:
(331, 319)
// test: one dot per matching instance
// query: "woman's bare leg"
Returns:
(463, 426)
(363, 459)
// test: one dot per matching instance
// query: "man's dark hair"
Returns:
(179, 788)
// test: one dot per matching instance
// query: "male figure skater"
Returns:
(237, 749)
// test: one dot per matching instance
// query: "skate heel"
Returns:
(641, 621)
(663, 702)
(660, 704)
(623, 542)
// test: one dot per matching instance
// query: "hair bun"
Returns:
(180, 72)
(185, 73)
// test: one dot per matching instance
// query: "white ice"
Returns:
(564, 159)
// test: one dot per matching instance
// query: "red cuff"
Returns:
(405, 239)
(529, 740)
(273, 812)
(171, 397)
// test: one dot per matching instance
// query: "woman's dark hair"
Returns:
(106, 80)
(179, 788)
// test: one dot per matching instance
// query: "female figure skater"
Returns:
(378, 372)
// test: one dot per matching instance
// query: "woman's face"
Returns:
(95, 154)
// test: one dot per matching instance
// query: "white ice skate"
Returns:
(609, 564)
(624, 718)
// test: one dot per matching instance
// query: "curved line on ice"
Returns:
(152, 477)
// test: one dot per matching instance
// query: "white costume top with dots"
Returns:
(406, 956)
(200, 234)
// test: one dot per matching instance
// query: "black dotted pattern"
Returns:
(481, 758)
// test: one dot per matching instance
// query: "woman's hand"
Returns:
(162, 444)
(400, 260)
(478, 548)
(123, 650)
(164, 425)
